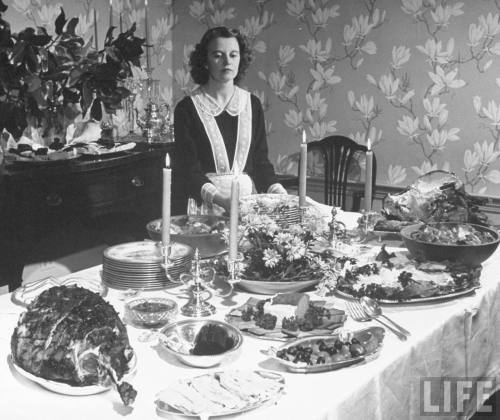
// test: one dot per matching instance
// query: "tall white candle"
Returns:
(167, 182)
(95, 31)
(303, 170)
(368, 176)
(233, 218)
(110, 13)
(146, 23)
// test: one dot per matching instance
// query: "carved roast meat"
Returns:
(72, 335)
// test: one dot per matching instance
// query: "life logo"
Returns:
(456, 396)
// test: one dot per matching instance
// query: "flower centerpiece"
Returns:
(274, 252)
(47, 80)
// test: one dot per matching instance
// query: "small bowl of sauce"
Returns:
(151, 312)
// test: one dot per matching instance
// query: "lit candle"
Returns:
(303, 171)
(368, 176)
(110, 13)
(121, 23)
(167, 182)
(95, 31)
(148, 58)
(233, 218)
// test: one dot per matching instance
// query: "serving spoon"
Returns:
(373, 309)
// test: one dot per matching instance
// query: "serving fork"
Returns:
(357, 313)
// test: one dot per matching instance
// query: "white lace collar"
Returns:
(234, 107)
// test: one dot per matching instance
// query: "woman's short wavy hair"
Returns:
(198, 57)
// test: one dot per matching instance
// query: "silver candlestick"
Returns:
(199, 294)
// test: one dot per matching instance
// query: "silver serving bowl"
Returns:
(209, 244)
(467, 254)
(178, 338)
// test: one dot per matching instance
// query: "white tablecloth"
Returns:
(459, 338)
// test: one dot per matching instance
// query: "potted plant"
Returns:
(46, 80)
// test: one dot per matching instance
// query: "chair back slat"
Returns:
(338, 153)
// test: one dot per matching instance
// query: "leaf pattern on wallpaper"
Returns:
(424, 119)
(322, 55)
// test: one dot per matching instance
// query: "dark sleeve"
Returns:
(187, 166)
(262, 171)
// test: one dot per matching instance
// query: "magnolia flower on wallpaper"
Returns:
(400, 56)
(23, 6)
(412, 7)
(443, 81)
(211, 13)
(433, 50)
(490, 24)
(160, 40)
(85, 26)
(286, 55)
(408, 126)
(322, 76)
(373, 134)
(396, 174)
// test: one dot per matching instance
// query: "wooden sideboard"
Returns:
(37, 200)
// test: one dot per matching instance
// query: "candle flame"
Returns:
(303, 136)
(167, 161)
(146, 3)
(111, 2)
(369, 144)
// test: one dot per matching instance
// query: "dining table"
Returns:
(457, 339)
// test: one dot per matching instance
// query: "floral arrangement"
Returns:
(47, 80)
(283, 253)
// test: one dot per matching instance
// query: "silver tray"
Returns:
(375, 334)
(66, 389)
(415, 301)
(164, 409)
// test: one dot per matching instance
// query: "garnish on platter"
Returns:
(286, 316)
(393, 277)
(72, 341)
(329, 352)
(220, 393)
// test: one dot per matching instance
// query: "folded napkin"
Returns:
(83, 132)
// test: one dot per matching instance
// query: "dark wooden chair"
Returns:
(339, 154)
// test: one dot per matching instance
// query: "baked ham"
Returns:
(72, 335)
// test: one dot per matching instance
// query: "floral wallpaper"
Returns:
(420, 78)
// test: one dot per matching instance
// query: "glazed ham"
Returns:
(72, 335)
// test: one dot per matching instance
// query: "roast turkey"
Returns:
(437, 196)
(72, 335)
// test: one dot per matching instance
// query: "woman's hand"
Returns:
(223, 200)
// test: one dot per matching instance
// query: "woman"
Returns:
(220, 128)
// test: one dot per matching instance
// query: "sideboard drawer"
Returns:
(122, 189)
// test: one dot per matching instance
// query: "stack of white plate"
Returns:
(138, 265)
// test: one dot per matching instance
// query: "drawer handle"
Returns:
(53, 200)
(137, 182)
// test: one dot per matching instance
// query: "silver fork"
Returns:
(359, 315)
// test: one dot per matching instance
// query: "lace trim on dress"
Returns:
(208, 109)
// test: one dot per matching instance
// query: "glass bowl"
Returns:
(151, 312)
